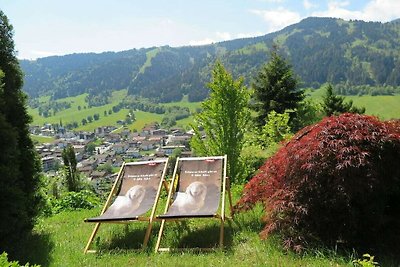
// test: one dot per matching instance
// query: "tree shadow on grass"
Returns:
(251, 220)
(36, 249)
(128, 238)
(180, 235)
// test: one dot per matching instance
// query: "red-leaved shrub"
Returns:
(338, 180)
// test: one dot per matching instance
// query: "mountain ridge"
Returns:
(319, 49)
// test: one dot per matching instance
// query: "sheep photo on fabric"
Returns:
(129, 203)
(199, 188)
(137, 192)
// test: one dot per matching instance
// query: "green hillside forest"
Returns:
(350, 54)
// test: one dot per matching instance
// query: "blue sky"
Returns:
(54, 27)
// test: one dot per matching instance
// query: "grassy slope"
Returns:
(149, 56)
(385, 107)
(74, 114)
(60, 240)
(42, 139)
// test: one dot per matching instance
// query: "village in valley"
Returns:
(101, 153)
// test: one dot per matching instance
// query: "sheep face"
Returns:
(136, 193)
(197, 190)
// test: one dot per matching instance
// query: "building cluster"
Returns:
(114, 148)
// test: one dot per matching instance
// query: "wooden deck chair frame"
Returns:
(113, 192)
(221, 216)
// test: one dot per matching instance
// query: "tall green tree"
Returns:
(275, 88)
(224, 118)
(19, 164)
(334, 105)
(72, 180)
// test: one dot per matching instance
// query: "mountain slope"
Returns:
(320, 50)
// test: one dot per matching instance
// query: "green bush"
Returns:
(84, 199)
(366, 261)
(4, 262)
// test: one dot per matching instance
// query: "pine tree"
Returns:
(71, 175)
(19, 164)
(275, 88)
(334, 105)
(224, 118)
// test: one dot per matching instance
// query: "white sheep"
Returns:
(192, 200)
(125, 205)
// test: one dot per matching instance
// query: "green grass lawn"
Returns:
(384, 107)
(74, 114)
(59, 241)
(42, 139)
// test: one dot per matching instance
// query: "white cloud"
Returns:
(201, 42)
(308, 5)
(277, 18)
(375, 10)
(224, 35)
(382, 10)
(247, 35)
(39, 53)
(272, 1)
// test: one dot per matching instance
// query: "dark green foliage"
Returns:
(72, 179)
(83, 199)
(224, 119)
(308, 112)
(335, 181)
(95, 99)
(75, 74)
(49, 108)
(275, 88)
(334, 105)
(90, 148)
(19, 165)
(4, 262)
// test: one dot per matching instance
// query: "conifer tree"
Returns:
(71, 175)
(275, 88)
(334, 105)
(19, 165)
(224, 118)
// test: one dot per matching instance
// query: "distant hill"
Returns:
(320, 50)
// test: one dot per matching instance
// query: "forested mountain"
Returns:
(321, 50)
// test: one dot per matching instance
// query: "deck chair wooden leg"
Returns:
(96, 228)
(221, 234)
(228, 188)
(147, 236)
(159, 236)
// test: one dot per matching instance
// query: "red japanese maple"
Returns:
(335, 180)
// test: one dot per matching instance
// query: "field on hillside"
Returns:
(59, 241)
(42, 139)
(74, 114)
(385, 107)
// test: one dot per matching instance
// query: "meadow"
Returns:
(75, 114)
(384, 107)
(59, 241)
